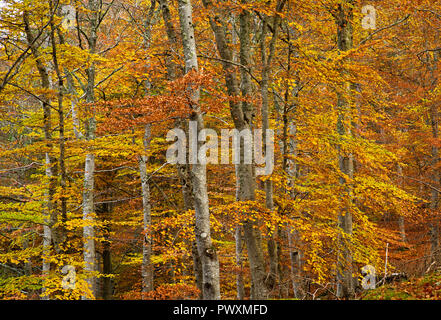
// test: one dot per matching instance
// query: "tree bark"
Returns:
(89, 168)
(240, 283)
(172, 39)
(207, 252)
(61, 138)
(147, 267)
(345, 284)
(434, 199)
(147, 270)
(242, 118)
(401, 221)
(183, 170)
(266, 60)
(295, 254)
(49, 234)
(239, 263)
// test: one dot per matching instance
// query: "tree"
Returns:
(206, 250)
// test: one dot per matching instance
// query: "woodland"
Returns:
(90, 207)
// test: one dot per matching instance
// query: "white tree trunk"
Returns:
(208, 255)
(293, 236)
(89, 170)
(88, 217)
(47, 233)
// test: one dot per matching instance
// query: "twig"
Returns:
(384, 28)
(385, 265)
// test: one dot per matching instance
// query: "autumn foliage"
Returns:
(384, 92)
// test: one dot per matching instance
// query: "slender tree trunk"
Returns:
(49, 234)
(147, 267)
(288, 146)
(184, 175)
(240, 283)
(88, 217)
(183, 170)
(401, 222)
(266, 60)
(295, 254)
(207, 252)
(436, 177)
(242, 118)
(89, 169)
(345, 285)
(239, 263)
(434, 199)
(197, 269)
(73, 106)
(147, 270)
(172, 39)
(246, 177)
(187, 194)
(61, 160)
(47, 229)
(267, 184)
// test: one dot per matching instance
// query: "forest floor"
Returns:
(422, 279)
(427, 287)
